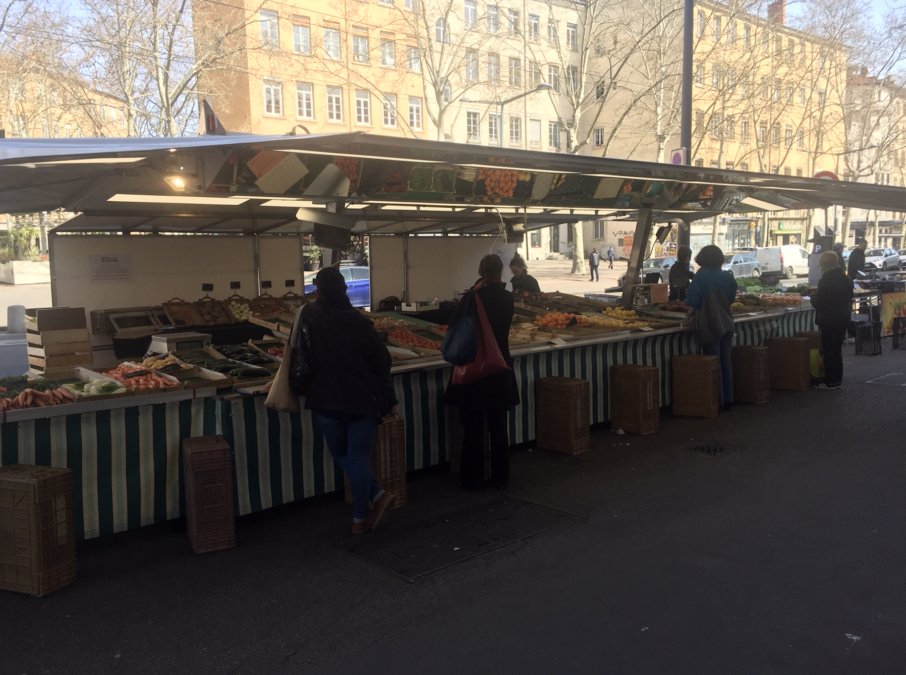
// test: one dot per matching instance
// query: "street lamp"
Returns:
(542, 86)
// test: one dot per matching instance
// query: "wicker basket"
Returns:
(813, 336)
(207, 464)
(388, 460)
(790, 363)
(696, 385)
(635, 401)
(562, 415)
(37, 539)
(751, 374)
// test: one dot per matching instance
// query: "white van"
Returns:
(786, 261)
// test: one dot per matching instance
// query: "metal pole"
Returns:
(637, 255)
(682, 235)
(500, 127)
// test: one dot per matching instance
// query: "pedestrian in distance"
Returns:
(350, 392)
(484, 405)
(680, 274)
(857, 259)
(610, 257)
(594, 260)
(710, 294)
(522, 281)
(838, 249)
(833, 309)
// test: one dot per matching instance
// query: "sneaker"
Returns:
(826, 386)
(381, 507)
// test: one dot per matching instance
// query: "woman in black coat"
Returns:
(833, 303)
(484, 405)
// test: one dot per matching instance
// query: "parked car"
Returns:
(788, 261)
(742, 265)
(358, 284)
(882, 259)
(654, 271)
(902, 253)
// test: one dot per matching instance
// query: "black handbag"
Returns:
(301, 365)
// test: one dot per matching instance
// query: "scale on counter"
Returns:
(170, 342)
(418, 306)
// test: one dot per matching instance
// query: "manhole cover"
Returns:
(710, 449)
(416, 550)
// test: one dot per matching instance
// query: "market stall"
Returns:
(429, 210)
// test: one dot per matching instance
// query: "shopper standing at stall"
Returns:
(710, 294)
(857, 259)
(484, 404)
(838, 249)
(350, 391)
(681, 274)
(594, 259)
(522, 281)
(833, 309)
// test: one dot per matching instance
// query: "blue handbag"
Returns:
(461, 339)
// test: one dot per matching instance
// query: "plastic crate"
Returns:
(635, 400)
(696, 390)
(751, 374)
(388, 461)
(208, 474)
(790, 363)
(868, 338)
(37, 538)
(562, 415)
(454, 442)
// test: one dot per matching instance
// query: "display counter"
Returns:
(125, 457)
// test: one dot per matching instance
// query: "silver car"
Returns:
(742, 265)
(652, 270)
(882, 259)
(902, 253)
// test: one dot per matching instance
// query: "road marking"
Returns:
(882, 377)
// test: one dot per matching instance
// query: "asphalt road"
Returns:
(785, 555)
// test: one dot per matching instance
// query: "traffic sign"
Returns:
(679, 156)
(827, 175)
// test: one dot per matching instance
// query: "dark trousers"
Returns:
(677, 294)
(594, 272)
(832, 337)
(611, 263)
(477, 427)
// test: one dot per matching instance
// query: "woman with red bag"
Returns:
(484, 403)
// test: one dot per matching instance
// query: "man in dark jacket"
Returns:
(857, 259)
(833, 306)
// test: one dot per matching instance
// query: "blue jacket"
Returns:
(706, 280)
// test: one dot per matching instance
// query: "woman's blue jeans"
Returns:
(349, 439)
(721, 348)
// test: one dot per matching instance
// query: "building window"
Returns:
(777, 87)
(715, 127)
(598, 230)
(765, 42)
(332, 44)
(747, 36)
(764, 87)
(415, 113)
(470, 13)
(552, 32)
(513, 21)
(553, 134)
(305, 107)
(413, 60)
(819, 141)
(388, 3)
(534, 133)
(716, 29)
(775, 169)
(778, 45)
(388, 54)
(800, 139)
(270, 29)
(515, 130)
(494, 67)
(744, 131)
(729, 166)
(572, 37)
(775, 133)
(715, 77)
(553, 77)
(822, 98)
(598, 137)
(731, 32)
(572, 79)
(700, 24)
(698, 162)
(788, 136)
(743, 166)
(762, 132)
(493, 128)
(362, 107)
(515, 72)
(534, 27)
(334, 104)
(799, 173)
(714, 164)
(360, 49)
(700, 73)
(789, 93)
(787, 171)
(801, 95)
(730, 127)
(68, 130)
(731, 79)
(699, 120)
(411, 4)
(273, 98)
(302, 39)
(448, 92)
(441, 32)
(472, 66)
(534, 74)
(802, 53)
(791, 50)
(473, 132)
(600, 91)
(493, 19)
(389, 110)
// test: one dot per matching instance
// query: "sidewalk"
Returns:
(555, 275)
(784, 555)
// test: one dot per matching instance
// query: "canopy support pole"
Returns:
(257, 263)
(637, 256)
(405, 297)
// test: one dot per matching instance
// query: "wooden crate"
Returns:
(635, 399)
(208, 474)
(790, 363)
(55, 318)
(562, 415)
(696, 385)
(751, 374)
(37, 538)
(388, 460)
(57, 339)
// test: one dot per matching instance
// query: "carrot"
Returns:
(40, 404)
(65, 393)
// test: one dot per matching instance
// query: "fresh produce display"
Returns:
(498, 183)
(266, 304)
(200, 358)
(244, 354)
(677, 306)
(409, 338)
(20, 393)
(531, 296)
(561, 320)
(620, 313)
(139, 379)
(276, 352)
(388, 323)
(614, 323)
(395, 183)
(213, 312)
(97, 387)
(166, 363)
(239, 308)
(350, 167)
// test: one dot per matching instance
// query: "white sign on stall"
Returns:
(110, 269)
